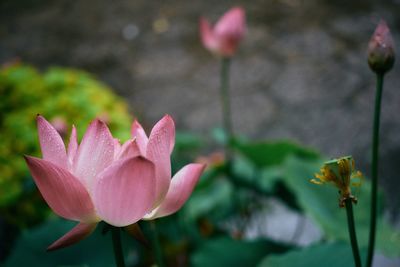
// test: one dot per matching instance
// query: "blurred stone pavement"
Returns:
(301, 72)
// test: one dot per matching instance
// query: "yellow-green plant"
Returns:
(65, 96)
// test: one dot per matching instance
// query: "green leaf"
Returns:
(264, 154)
(321, 204)
(228, 252)
(186, 146)
(212, 200)
(262, 181)
(219, 135)
(95, 250)
(185, 141)
(327, 255)
(269, 177)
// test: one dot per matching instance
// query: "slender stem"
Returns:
(352, 232)
(156, 245)
(226, 105)
(374, 171)
(118, 253)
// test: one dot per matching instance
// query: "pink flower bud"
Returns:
(60, 125)
(381, 49)
(223, 39)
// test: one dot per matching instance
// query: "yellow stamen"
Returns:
(340, 172)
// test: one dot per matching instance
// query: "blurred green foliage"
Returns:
(321, 204)
(32, 245)
(264, 154)
(197, 235)
(327, 255)
(225, 251)
(64, 97)
(282, 170)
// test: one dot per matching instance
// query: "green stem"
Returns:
(226, 106)
(374, 171)
(352, 232)
(118, 253)
(156, 245)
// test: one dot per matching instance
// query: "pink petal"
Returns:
(72, 145)
(140, 135)
(181, 188)
(63, 192)
(79, 232)
(229, 30)
(95, 153)
(207, 35)
(164, 132)
(117, 147)
(129, 149)
(51, 143)
(232, 23)
(125, 192)
(159, 148)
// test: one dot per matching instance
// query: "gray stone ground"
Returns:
(301, 71)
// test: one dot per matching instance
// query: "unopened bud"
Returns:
(224, 38)
(60, 125)
(381, 49)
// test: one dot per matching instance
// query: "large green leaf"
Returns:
(264, 154)
(186, 145)
(327, 255)
(225, 251)
(96, 250)
(321, 204)
(212, 200)
(245, 175)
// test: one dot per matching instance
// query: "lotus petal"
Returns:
(125, 192)
(79, 232)
(95, 153)
(51, 143)
(207, 35)
(72, 146)
(129, 149)
(159, 148)
(63, 192)
(181, 188)
(140, 135)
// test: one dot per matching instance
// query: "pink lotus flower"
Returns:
(100, 179)
(224, 38)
